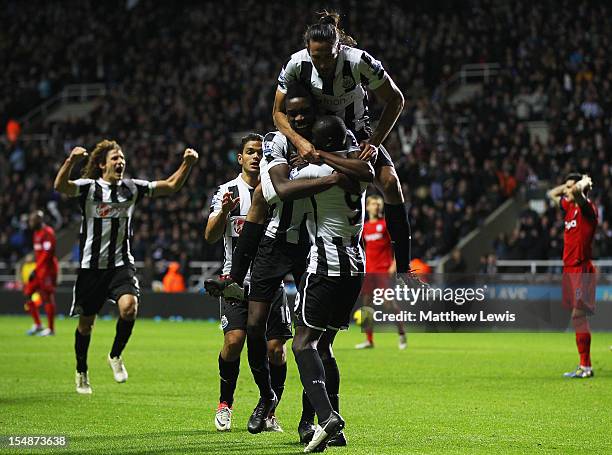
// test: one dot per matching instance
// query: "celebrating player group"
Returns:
(297, 207)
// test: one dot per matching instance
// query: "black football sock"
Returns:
(228, 376)
(245, 250)
(81, 345)
(122, 335)
(332, 382)
(278, 375)
(308, 412)
(399, 230)
(312, 375)
(258, 361)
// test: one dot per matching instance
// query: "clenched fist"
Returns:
(77, 154)
(190, 156)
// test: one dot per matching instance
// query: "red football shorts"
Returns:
(579, 284)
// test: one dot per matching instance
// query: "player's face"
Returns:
(569, 186)
(300, 114)
(251, 156)
(323, 56)
(114, 166)
(374, 208)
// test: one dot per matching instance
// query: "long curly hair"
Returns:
(92, 169)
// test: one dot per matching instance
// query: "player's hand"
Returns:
(308, 152)
(190, 156)
(297, 161)
(77, 154)
(368, 151)
(584, 183)
(347, 184)
(229, 203)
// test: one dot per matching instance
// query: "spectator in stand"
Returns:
(173, 279)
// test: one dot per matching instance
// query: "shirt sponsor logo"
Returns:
(105, 210)
(570, 225)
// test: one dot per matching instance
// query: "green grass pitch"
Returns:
(447, 393)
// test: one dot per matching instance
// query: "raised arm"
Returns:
(176, 181)
(555, 194)
(62, 183)
(580, 198)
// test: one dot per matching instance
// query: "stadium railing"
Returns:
(534, 265)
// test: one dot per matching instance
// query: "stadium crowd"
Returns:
(182, 74)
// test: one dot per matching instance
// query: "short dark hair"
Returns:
(296, 89)
(249, 137)
(574, 176)
(329, 133)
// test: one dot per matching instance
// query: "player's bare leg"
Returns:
(128, 308)
(81, 346)
(277, 358)
(229, 368)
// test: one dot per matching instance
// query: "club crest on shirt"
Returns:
(347, 82)
(379, 228)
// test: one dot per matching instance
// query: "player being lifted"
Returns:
(380, 265)
(44, 277)
(338, 74)
(230, 206)
(329, 289)
(579, 275)
(107, 201)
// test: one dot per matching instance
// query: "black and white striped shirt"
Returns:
(239, 188)
(335, 228)
(288, 219)
(345, 95)
(106, 227)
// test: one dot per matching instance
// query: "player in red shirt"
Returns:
(579, 275)
(44, 278)
(380, 263)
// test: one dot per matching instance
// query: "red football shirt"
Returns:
(579, 230)
(44, 252)
(378, 249)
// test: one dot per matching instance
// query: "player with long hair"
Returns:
(107, 201)
(338, 75)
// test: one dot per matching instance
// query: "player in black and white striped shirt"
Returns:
(230, 206)
(338, 75)
(107, 272)
(329, 289)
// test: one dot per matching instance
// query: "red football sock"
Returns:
(583, 341)
(370, 335)
(50, 310)
(34, 312)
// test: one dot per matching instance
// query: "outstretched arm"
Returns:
(176, 181)
(62, 183)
